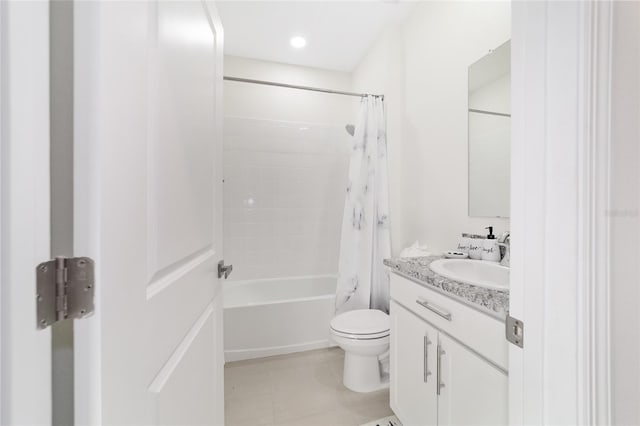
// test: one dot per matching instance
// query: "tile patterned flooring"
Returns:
(302, 389)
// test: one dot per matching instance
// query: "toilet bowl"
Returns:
(363, 334)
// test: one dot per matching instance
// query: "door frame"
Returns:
(25, 365)
(561, 57)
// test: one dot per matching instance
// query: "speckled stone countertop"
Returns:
(491, 301)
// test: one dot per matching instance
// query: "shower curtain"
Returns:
(363, 281)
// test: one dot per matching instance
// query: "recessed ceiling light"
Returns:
(298, 42)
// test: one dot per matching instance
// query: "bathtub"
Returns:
(277, 316)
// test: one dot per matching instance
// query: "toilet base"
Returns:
(362, 373)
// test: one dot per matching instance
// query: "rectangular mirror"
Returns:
(490, 133)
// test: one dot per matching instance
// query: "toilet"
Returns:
(363, 334)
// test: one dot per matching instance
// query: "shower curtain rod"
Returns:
(293, 86)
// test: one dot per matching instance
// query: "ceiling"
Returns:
(338, 33)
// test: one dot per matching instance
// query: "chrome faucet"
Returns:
(505, 242)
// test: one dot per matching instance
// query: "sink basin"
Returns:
(475, 272)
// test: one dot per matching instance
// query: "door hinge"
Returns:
(65, 288)
(515, 331)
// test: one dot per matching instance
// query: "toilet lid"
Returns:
(361, 322)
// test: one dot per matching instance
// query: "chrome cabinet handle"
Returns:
(426, 371)
(439, 385)
(436, 310)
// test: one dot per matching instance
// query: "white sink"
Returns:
(475, 272)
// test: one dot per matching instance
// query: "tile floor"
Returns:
(303, 389)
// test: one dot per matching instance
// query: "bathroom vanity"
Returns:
(449, 362)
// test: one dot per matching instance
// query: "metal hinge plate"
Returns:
(65, 289)
(515, 331)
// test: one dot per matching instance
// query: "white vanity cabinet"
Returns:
(473, 391)
(413, 374)
(448, 360)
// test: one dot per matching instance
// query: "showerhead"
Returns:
(351, 129)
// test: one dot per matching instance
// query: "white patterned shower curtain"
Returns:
(363, 281)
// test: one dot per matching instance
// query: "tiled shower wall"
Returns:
(283, 197)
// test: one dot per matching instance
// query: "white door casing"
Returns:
(25, 369)
(148, 176)
(559, 183)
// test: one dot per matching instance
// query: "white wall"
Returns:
(286, 159)
(421, 67)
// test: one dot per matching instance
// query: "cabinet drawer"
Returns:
(481, 332)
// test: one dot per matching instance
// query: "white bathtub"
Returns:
(277, 316)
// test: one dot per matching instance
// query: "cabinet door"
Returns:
(473, 391)
(413, 368)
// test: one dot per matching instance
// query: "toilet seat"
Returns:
(361, 324)
(374, 336)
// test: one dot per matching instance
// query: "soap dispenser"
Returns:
(476, 245)
(491, 249)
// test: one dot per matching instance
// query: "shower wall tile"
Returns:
(283, 197)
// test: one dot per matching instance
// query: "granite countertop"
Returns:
(491, 301)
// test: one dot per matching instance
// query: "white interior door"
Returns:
(148, 176)
(25, 369)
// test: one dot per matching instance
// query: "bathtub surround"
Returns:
(283, 197)
(286, 164)
(363, 282)
(490, 301)
(421, 66)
